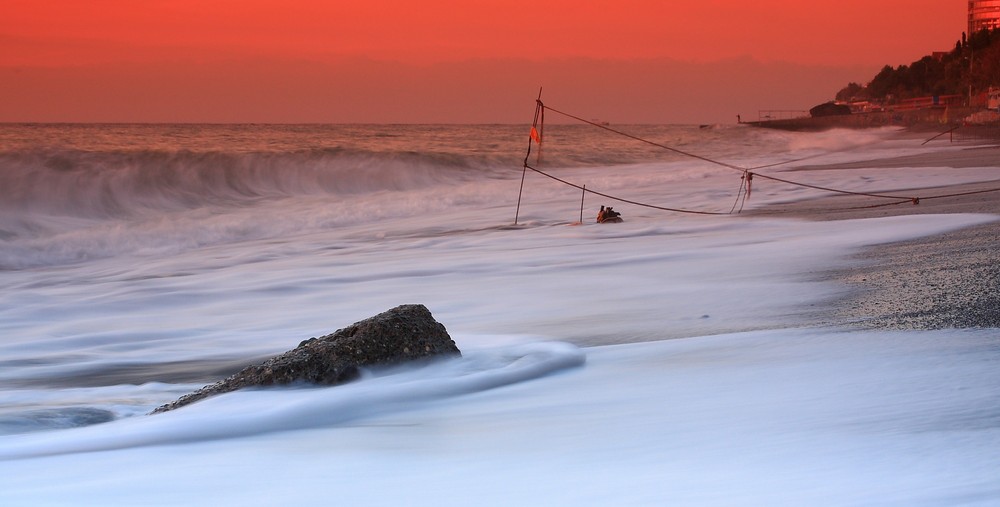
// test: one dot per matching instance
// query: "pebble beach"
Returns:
(951, 280)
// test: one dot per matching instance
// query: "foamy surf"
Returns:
(255, 412)
(129, 303)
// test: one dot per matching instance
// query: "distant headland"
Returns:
(953, 88)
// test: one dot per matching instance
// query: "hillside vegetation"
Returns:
(975, 63)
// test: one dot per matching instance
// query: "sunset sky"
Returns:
(651, 61)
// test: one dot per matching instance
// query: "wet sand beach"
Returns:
(950, 280)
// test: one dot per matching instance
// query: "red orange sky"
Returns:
(446, 60)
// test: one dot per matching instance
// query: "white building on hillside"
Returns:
(983, 14)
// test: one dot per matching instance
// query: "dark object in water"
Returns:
(829, 109)
(402, 334)
(609, 216)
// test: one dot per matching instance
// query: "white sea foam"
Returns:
(250, 413)
(755, 405)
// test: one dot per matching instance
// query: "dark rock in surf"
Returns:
(402, 334)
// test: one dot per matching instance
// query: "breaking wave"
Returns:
(164, 190)
(121, 184)
(60, 206)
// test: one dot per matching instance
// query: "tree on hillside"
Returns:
(985, 69)
(852, 92)
(974, 62)
(885, 83)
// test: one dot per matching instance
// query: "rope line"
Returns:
(636, 138)
(915, 200)
(835, 190)
(746, 179)
(739, 193)
(619, 199)
(679, 151)
(960, 194)
(746, 171)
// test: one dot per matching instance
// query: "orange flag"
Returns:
(535, 136)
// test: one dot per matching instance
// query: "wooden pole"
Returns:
(541, 130)
(538, 109)
(517, 212)
(581, 202)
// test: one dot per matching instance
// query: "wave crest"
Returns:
(128, 183)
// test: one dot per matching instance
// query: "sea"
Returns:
(675, 358)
